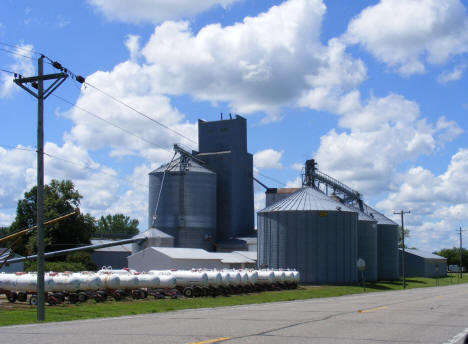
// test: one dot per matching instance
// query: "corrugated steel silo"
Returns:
(187, 203)
(367, 245)
(312, 233)
(387, 245)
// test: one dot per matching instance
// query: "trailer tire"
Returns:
(73, 298)
(22, 296)
(12, 297)
(188, 292)
(33, 300)
(82, 297)
(197, 291)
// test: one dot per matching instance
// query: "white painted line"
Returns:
(457, 337)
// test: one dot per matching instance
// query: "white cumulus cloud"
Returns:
(438, 203)
(408, 34)
(268, 158)
(155, 11)
(379, 136)
(23, 64)
(261, 64)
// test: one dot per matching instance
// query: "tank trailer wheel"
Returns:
(197, 291)
(12, 297)
(22, 296)
(33, 300)
(51, 300)
(82, 297)
(188, 292)
(73, 298)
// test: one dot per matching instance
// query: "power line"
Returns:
(111, 123)
(139, 112)
(81, 80)
(17, 54)
(7, 71)
(76, 163)
(272, 179)
(20, 48)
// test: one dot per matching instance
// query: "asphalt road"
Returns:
(427, 315)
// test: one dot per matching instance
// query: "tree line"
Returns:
(60, 198)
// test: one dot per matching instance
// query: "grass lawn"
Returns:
(14, 314)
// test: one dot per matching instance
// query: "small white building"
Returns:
(236, 260)
(163, 258)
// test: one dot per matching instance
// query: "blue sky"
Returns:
(374, 90)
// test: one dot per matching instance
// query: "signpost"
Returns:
(361, 266)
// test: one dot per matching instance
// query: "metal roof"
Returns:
(185, 253)
(305, 199)
(118, 248)
(252, 255)
(381, 218)
(248, 240)
(153, 233)
(232, 258)
(7, 254)
(175, 166)
(362, 216)
(422, 254)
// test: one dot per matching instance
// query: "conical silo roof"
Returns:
(178, 165)
(152, 232)
(362, 216)
(307, 198)
(379, 217)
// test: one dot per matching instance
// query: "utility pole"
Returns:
(37, 82)
(402, 213)
(460, 231)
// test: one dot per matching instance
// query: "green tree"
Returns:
(453, 256)
(400, 238)
(60, 198)
(116, 226)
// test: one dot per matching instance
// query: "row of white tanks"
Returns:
(79, 286)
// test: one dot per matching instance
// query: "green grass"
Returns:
(23, 314)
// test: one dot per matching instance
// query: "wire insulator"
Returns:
(57, 65)
(80, 79)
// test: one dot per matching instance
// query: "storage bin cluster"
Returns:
(81, 286)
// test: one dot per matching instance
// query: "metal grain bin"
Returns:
(387, 245)
(367, 245)
(312, 233)
(187, 203)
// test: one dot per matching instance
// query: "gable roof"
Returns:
(185, 253)
(422, 254)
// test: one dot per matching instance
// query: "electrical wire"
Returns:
(17, 54)
(74, 77)
(81, 164)
(111, 123)
(7, 71)
(20, 48)
(272, 179)
(139, 112)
